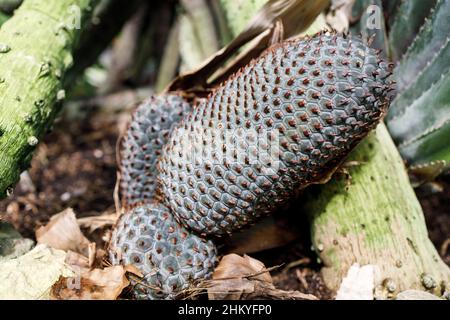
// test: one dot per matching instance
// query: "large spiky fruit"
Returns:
(148, 131)
(281, 123)
(170, 257)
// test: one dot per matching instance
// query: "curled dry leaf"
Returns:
(76, 260)
(92, 253)
(63, 232)
(237, 277)
(98, 222)
(97, 284)
(48, 273)
(89, 284)
(242, 278)
(340, 15)
(295, 15)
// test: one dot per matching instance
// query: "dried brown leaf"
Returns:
(340, 15)
(243, 278)
(98, 222)
(91, 284)
(77, 260)
(63, 232)
(134, 270)
(231, 278)
(233, 266)
(295, 15)
(97, 284)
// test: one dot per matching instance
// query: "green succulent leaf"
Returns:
(391, 9)
(408, 19)
(419, 117)
(430, 39)
(429, 147)
(417, 120)
(430, 75)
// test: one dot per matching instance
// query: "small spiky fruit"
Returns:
(169, 256)
(301, 107)
(141, 146)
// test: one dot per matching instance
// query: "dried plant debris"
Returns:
(49, 273)
(295, 15)
(243, 278)
(32, 275)
(97, 284)
(339, 16)
(77, 261)
(98, 222)
(63, 232)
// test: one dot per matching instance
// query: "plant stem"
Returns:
(377, 221)
(36, 50)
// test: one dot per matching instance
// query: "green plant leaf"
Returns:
(424, 115)
(429, 76)
(408, 19)
(391, 9)
(423, 129)
(419, 117)
(431, 146)
(432, 36)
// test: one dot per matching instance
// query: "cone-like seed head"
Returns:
(286, 120)
(141, 146)
(169, 256)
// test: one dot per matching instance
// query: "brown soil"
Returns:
(75, 166)
(437, 214)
